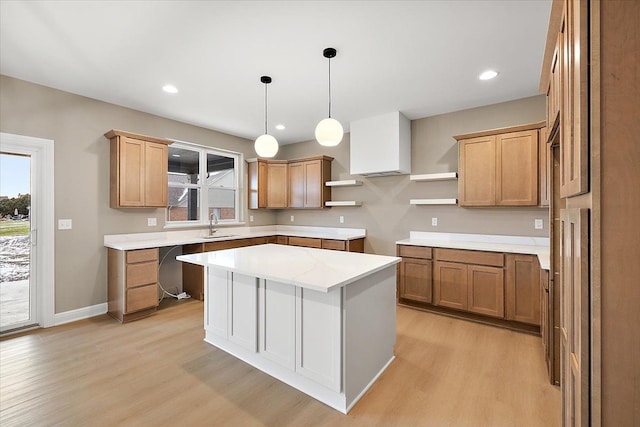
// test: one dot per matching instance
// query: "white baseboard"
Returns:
(79, 314)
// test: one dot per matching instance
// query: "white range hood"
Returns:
(381, 145)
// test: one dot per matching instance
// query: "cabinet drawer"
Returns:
(141, 298)
(142, 274)
(142, 255)
(305, 241)
(336, 245)
(495, 259)
(414, 252)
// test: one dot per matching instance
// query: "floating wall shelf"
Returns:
(433, 202)
(343, 203)
(434, 176)
(345, 183)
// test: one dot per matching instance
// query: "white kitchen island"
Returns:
(321, 321)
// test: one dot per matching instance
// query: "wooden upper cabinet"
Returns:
(477, 171)
(281, 184)
(544, 168)
(575, 114)
(307, 179)
(277, 183)
(517, 169)
(554, 88)
(499, 167)
(296, 185)
(139, 167)
(257, 183)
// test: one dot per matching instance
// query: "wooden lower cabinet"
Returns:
(485, 290)
(523, 289)
(132, 283)
(450, 285)
(416, 281)
(503, 289)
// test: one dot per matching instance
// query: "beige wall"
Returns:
(386, 213)
(77, 124)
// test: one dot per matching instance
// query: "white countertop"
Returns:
(316, 269)
(133, 241)
(483, 242)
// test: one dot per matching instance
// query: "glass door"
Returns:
(17, 239)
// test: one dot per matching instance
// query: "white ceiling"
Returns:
(419, 57)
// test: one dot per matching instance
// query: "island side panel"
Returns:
(369, 312)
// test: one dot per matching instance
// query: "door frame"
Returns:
(42, 201)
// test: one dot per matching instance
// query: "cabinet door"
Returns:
(155, 174)
(544, 318)
(450, 285)
(313, 184)
(485, 289)
(278, 322)
(523, 289)
(574, 315)
(277, 185)
(243, 311)
(257, 184)
(319, 337)
(416, 281)
(477, 171)
(216, 311)
(544, 171)
(296, 185)
(575, 144)
(131, 172)
(517, 169)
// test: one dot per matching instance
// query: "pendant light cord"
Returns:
(329, 87)
(265, 108)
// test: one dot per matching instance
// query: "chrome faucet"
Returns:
(212, 218)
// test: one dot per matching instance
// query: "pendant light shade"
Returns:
(329, 131)
(266, 145)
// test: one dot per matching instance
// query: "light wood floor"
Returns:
(158, 371)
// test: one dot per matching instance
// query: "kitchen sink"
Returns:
(219, 236)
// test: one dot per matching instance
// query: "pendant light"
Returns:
(266, 145)
(329, 131)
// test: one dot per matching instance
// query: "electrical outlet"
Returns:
(291, 218)
(434, 222)
(250, 218)
(341, 219)
(538, 224)
(152, 222)
(65, 224)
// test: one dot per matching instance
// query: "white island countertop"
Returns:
(316, 269)
(126, 242)
(483, 242)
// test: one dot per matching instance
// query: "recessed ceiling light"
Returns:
(488, 75)
(170, 89)
(281, 127)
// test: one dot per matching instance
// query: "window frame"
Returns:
(203, 187)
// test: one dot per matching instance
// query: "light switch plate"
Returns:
(250, 218)
(65, 224)
(291, 218)
(341, 219)
(434, 222)
(538, 224)
(152, 222)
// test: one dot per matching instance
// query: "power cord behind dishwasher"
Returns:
(182, 295)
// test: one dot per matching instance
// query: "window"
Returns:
(203, 184)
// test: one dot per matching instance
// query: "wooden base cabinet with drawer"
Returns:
(132, 283)
(489, 287)
(415, 274)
